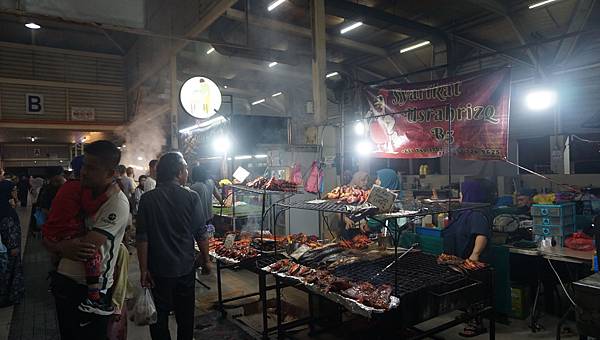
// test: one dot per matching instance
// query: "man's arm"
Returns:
(480, 244)
(141, 236)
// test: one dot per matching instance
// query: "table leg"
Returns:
(262, 290)
(219, 289)
(561, 321)
(278, 306)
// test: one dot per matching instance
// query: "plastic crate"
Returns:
(553, 210)
(431, 244)
(553, 230)
(433, 232)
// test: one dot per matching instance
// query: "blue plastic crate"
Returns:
(426, 231)
(558, 215)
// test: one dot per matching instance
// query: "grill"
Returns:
(415, 271)
(327, 206)
(262, 191)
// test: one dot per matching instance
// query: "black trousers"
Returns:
(73, 323)
(174, 294)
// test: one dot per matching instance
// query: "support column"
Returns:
(174, 119)
(319, 62)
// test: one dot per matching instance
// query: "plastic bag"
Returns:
(144, 312)
(296, 174)
(580, 241)
(314, 182)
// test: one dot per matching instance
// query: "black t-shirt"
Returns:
(169, 217)
(459, 236)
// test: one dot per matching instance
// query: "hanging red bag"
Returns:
(296, 174)
(315, 179)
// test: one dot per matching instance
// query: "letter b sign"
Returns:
(34, 104)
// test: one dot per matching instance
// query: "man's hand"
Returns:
(474, 257)
(206, 268)
(146, 279)
(76, 249)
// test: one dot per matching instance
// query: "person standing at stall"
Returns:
(468, 234)
(169, 219)
(23, 190)
(151, 180)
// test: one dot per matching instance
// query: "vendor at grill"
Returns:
(468, 233)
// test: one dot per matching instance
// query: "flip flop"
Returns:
(472, 331)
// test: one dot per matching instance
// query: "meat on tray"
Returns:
(349, 195)
(240, 250)
(362, 292)
(273, 184)
(357, 242)
(459, 263)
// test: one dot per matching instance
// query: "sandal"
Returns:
(471, 331)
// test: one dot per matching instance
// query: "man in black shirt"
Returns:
(169, 218)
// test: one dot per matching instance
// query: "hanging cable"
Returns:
(562, 284)
(585, 140)
(542, 176)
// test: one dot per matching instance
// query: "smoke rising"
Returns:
(145, 139)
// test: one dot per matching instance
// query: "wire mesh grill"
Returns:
(415, 271)
(263, 191)
(327, 206)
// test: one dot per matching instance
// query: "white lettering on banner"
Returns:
(382, 198)
(34, 104)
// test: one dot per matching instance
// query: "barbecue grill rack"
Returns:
(242, 187)
(419, 209)
(416, 271)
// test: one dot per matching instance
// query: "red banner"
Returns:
(419, 120)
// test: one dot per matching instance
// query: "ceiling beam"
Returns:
(281, 26)
(162, 60)
(580, 16)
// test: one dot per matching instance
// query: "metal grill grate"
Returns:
(262, 191)
(415, 271)
(328, 206)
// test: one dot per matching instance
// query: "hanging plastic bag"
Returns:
(144, 312)
(297, 174)
(314, 182)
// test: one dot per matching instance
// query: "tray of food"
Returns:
(348, 195)
(238, 252)
(362, 298)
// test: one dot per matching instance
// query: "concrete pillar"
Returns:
(319, 62)
(174, 121)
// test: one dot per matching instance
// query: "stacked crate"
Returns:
(554, 220)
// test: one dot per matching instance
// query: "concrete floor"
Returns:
(243, 282)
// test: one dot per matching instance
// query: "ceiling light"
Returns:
(260, 156)
(33, 26)
(140, 158)
(332, 74)
(274, 5)
(415, 46)
(273, 64)
(33, 139)
(221, 144)
(364, 147)
(351, 27)
(540, 99)
(276, 94)
(211, 50)
(542, 3)
(259, 101)
(225, 86)
(60, 161)
(209, 123)
(359, 128)
(123, 146)
(237, 158)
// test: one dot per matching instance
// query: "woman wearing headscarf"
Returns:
(387, 178)
(360, 179)
(468, 233)
(11, 279)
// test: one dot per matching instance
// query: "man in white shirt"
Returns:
(105, 233)
(151, 179)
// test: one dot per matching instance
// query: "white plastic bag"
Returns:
(144, 312)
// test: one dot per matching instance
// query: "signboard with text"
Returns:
(419, 120)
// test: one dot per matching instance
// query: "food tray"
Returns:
(352, 305)
(229, 260)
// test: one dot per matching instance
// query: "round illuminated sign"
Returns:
(200, 97)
